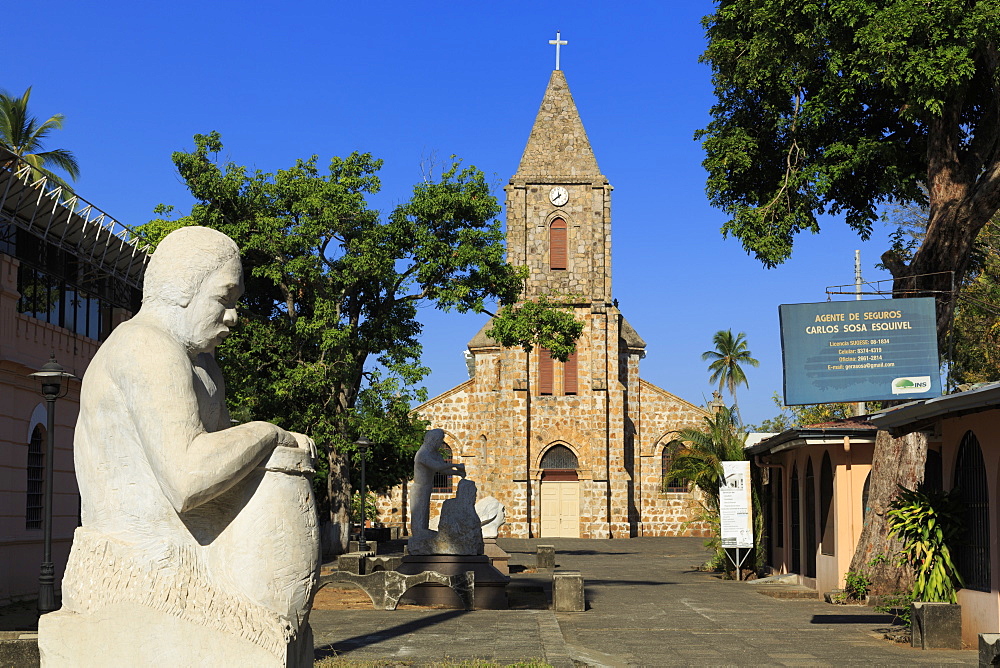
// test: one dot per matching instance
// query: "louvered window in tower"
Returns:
(570, 384)
(545, 367)
(557, 244)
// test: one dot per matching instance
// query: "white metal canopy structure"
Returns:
(69, 222)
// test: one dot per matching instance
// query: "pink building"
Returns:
(817, 479)
(68, 274)
(964, 455)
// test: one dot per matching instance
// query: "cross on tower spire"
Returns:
(557, 43)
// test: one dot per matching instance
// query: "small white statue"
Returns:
(492, 515)
(199, 543)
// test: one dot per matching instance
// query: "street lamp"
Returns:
(51, 376)
(363, 444)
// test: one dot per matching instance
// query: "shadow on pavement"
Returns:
(628, 583)
(852, 619)
(348, 644)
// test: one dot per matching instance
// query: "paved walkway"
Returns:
(647, 607)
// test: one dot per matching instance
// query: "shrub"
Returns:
(928, 523)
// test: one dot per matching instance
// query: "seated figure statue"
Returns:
(199, 541)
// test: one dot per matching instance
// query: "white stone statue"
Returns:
(199, 544)
(492, 515)
(451, 536)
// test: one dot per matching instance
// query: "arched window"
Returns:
(559, 457)
(972, 554)
(442, 482)
(559, 463)
(778, 501)
(826, 505)
(557, 244)
(933, 472)
(670, 483)
(865, 492)
(35, 504)
(545, 376)
(796, 512)
(810, 520)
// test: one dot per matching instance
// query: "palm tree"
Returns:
(730, 352)
(699, 453)
(698, 456)
(22, 134)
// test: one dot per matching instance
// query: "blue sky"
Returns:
(418, 82)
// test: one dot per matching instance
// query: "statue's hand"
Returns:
(460, 469)
(290, 460)
(305, 443)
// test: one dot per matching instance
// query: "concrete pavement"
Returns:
(646, 607)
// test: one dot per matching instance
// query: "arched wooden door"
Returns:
(560, 494)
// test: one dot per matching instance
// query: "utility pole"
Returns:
(860, 408)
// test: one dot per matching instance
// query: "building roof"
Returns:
(921, 414)
(68, 221)
(558, 148)
(816, 434)
(630, 336)
(482, 340)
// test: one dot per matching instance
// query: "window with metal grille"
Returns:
(796, 520)
(810, 520)
(545, 371)
(826, 506)
(972, 554)
(60, 289)
(671, 483)
(442, 482)
(570, 383)
(35, 504)
(559, 457)
(557, 244)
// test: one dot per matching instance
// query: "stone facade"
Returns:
(500, 424)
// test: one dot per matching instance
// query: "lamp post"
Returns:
(363, 445)
(51, 376)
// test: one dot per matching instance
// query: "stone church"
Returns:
(574, 449)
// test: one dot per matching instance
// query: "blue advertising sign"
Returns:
(859, 351)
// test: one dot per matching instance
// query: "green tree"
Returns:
(792, 417)
(697, 457)
(974, 353)
(843, 106)
(329, 341)
(730, 354)
(972, 346)
(23, 134)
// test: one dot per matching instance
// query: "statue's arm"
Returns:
(192, 464)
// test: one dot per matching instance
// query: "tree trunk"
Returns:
(896, 461)
(336, 534)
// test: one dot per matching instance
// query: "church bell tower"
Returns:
(559, 207)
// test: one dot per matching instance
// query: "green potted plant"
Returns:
(928, 524)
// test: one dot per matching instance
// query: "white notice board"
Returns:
(734, 505)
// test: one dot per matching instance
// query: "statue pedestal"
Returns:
(491, 584)
(498, 556)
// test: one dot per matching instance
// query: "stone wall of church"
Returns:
(665, 513)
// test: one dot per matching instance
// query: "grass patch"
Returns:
(338, 662)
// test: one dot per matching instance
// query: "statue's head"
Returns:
(195, 278)
(433, 439)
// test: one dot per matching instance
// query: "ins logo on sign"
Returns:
(911, 384)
